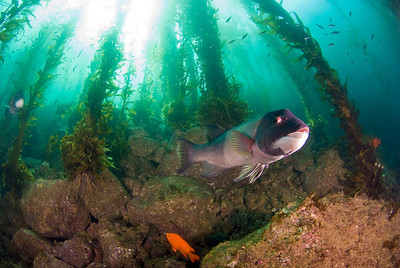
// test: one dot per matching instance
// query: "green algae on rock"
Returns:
(318, 233)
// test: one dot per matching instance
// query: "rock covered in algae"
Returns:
(26, 244)
(174, 204)
(46, 260)
(117, 244)
(143, 146)
(325, 176)
(107, 197)
(75, 251)
(334, 231)
(50, 209)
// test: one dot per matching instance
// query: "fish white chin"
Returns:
(292, 142)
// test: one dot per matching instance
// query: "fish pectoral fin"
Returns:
(210, 170)
(241, 143)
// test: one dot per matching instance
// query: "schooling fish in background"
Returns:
(253, 145)
(15, 104)
(177, 243)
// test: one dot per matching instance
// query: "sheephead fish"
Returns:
(253, 145)
(15, 104)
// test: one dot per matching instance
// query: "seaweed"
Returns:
(15, 172)
(84, 151)
(367, 176)
(177, 84)
(142, 113)
(219, 103)
(119, 145)
(14, 18)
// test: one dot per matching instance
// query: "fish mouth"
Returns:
(304, 130)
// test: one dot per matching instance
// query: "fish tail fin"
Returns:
(193, 257)
(185, 154)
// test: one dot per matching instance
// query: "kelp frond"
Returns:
(367, 176)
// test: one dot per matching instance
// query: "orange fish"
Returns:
(178, 243)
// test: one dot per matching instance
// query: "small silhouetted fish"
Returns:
(268, 45)
(320, 26)
(350, 13)
(228, 19)
(372, 36)
(230, 42)
(263, 32)
(348, 53)
(335, 32)
(268, 55)
(331, 25)
(365, 46)
(331, 44)
(244, 36)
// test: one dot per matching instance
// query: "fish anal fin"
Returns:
(241, 143)
(210, 170)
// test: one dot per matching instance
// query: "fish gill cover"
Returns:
(91, 73)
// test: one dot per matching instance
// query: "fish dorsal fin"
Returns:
(214, 132)
(241, 143)
(210, 170)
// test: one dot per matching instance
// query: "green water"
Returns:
(174, 65)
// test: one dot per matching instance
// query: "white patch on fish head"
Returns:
(292, 142)
(19, 103)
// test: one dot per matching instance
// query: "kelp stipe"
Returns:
(84, 151)
(219, 103)
(367, 176)
(15, 172)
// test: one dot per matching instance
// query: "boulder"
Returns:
(329, 232)
(50, 209)
(118, 249)
(143, 146)
(26, 244)
(46, 260)
(325, 176)
(175, 204)
(76, 251)
(108, 197)
(169, 164)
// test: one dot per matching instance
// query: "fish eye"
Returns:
(278, 120)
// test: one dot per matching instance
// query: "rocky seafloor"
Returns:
(121, 222)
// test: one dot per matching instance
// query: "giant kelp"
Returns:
(118, 140)
(84, 151)
(174, 76)
(15, 172)
(14, 19)
(219, 103)
(367, 176)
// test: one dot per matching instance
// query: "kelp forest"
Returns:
(95, 111)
